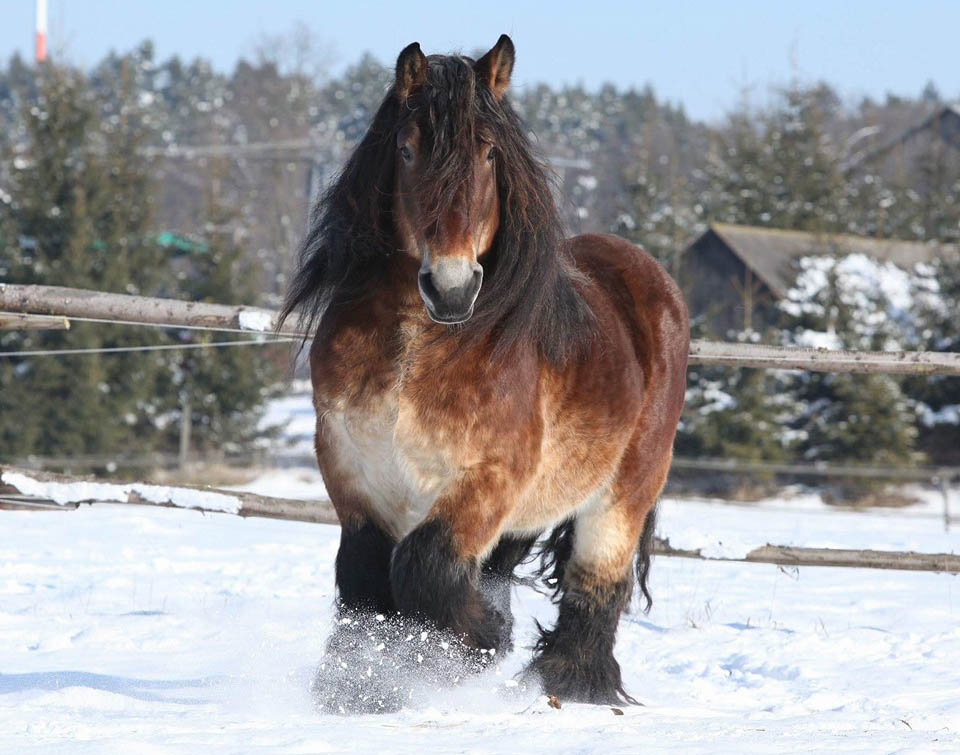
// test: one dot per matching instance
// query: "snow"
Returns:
(295, 416)
(189, 498)
(945, 415)
(884, 298)
(252, 319)
(80, 492)
(138, 629)
(66, 492)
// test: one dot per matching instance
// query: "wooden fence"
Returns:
(31, 489)
(83, 305)
(52, 306)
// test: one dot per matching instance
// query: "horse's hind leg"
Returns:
(574, 660)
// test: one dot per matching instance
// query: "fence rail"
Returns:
(85, 305)
(29, 488)
(824, 360)
(79, 304)
(32, 489)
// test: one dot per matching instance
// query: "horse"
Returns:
(480, 380)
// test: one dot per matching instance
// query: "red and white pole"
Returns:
(40, 38)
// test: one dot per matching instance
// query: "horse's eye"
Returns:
(406, 153)
(491, 154)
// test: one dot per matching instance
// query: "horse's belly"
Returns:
(397, 484)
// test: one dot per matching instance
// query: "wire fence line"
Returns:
(96, 306)
(935, 476)
(132, 349)
(164, 326)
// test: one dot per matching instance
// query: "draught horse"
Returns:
(479, 380)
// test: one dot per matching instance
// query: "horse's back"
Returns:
(646, 300)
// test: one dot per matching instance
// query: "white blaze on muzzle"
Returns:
(452, 273)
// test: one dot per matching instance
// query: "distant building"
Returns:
(936, 136)
(733, 275)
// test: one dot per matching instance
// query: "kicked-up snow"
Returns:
(127, 629)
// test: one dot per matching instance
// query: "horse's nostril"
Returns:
(427, 286)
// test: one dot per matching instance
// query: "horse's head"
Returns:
(446, 207)
(446, 175)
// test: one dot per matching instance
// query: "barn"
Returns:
(733, 275)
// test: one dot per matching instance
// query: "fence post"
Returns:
(945, 489)
(186, 417)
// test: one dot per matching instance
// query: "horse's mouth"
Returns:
(449, 319)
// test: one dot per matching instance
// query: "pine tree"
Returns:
(779, 168)
(224, 387)
(867, 419)
(61, 205)
(736, 414)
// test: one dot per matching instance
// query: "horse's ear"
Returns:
(495, 67)
(411, 70)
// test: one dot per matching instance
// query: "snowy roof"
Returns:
(771, 252)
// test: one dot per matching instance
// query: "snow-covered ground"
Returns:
(127, 629)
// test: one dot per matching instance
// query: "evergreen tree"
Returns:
(76, 210)
(662, 214)
(780, 168)
(737, 175)
(225, 388)
(937, 293)
(840, 302)
(63, 223)
(736, 414)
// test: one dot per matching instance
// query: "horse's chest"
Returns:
(376, 440)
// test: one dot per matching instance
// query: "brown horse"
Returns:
(479, 380)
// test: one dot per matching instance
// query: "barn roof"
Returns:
(771, 253)
(944, 121)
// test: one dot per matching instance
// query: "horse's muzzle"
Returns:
(449, 289)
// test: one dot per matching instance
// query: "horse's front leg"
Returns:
(435, 570)
(363, 568)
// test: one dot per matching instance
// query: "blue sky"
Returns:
(703, 54)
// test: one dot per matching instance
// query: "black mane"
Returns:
(528, 294)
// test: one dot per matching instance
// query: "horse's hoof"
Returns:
(597, 683)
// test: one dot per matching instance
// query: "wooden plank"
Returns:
(788, 555)
(90, 490)
(735, 466)
(21, 321)
(79, 304)
(824, 360)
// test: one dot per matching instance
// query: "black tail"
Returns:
(555, 551)
(557, 547)
(644, 553)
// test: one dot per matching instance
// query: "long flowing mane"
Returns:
(530, 284)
